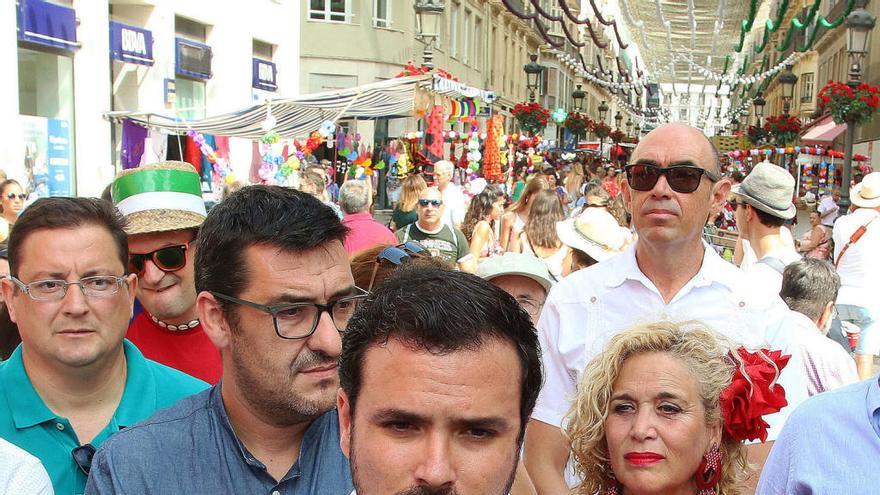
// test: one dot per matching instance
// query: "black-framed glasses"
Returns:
(83, 456)
(21, 196)
(734, 204)
(55, 290)
(433, 202)
(395, 255)
(300, 320)
(681, 178)
(167, 259)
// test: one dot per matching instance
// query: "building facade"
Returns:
(75, 60)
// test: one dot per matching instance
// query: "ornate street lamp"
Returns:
(577, 96)
(629, 127)
(759, 103)
(533, 75)
(617, 119)
(428, 17)
(638, 130)
(859, 24)
(603, 111)
(787, 80)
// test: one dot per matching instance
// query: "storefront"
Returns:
(193, 69)
(46, 45)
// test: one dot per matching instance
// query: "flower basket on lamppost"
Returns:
(578, 124)
(532, 117)
(783, 129)
(846, 104)
(756, 135)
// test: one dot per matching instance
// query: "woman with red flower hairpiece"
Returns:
(666, 408)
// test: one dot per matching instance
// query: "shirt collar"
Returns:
(28, 409)
(627, 268)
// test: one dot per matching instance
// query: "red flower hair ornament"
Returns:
(753, 393)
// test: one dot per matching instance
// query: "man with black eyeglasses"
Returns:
(673, 179)
(275, 294)
(163, 205)
(73, 381)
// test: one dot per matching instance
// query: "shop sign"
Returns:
(47, 24)
(58, 153)
(47, 156)
(192, 59)
(264, 73)
(131, 44)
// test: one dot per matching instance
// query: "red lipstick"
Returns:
(643, 458)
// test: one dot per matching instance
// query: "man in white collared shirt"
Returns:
(667, 274)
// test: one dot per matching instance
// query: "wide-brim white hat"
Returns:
(866, 194)
(595, 232)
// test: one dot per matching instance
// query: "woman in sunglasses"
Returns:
(11, 205)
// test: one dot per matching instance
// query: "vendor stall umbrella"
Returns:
(533, 72)
(428, 17)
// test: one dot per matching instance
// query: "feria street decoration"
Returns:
(847, 104)
(532, 117)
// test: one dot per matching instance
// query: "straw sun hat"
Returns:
(866, 194)
(159, 197)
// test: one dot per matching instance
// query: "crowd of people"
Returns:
(568, 330)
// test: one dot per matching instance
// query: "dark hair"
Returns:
(278, 216)
(767, 219)
(582, 259)
(9, 336)
(471, 312)
(480, 206)
(540, 228)
(67, 213)
(808, 285)
(364, 261)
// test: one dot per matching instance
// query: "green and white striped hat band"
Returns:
(153, 188)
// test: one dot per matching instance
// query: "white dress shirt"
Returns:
(859, 269)
(826, 363)
(587, 308)
(21, 473)
(828, 204)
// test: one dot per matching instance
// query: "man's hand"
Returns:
(546, 453)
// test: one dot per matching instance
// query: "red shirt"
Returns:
(190, 351)
(365, 233)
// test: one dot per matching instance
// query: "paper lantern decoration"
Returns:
(492, 156)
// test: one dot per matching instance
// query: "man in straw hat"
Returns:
(669, 273)
(856, 247)
(163, 206)
(762, 203)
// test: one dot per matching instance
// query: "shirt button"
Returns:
(59, 426)
(742, 304)
(276, 492)
(593, 299)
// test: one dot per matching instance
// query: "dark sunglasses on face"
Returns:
(396, 255)
(21, 196)
(681, 178)
(433, 202)
(167, 259)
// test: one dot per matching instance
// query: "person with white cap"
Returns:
(856, 244)
(593, 236)
(522, 276)
(162, 204)
(762, 203)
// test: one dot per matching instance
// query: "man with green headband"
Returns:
(163, 206)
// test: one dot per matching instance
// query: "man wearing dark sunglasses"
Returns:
(442, 241)
(163, 205)
(73, 382)
(669, 273)
(275, 295)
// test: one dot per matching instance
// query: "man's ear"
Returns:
(627, 195)
(343, 406)
(720, 193)
(825, 318)
(213, 320)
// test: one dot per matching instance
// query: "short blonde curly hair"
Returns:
(701, 350)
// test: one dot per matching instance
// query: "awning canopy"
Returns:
(299, 116)
(822, 132)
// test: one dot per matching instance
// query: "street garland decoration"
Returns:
(848, 104)
(783, 128)
(532, 117)
(578, 124)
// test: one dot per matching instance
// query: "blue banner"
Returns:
(264, 73)
(131, 44)
(47, 24)
(58, 154)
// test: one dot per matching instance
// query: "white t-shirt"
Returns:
(766, 277)
(454, 205)
(828, 204)
(859, 269)
(20, 472)
(587, 308)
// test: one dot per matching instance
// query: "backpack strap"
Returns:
(774, 263)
